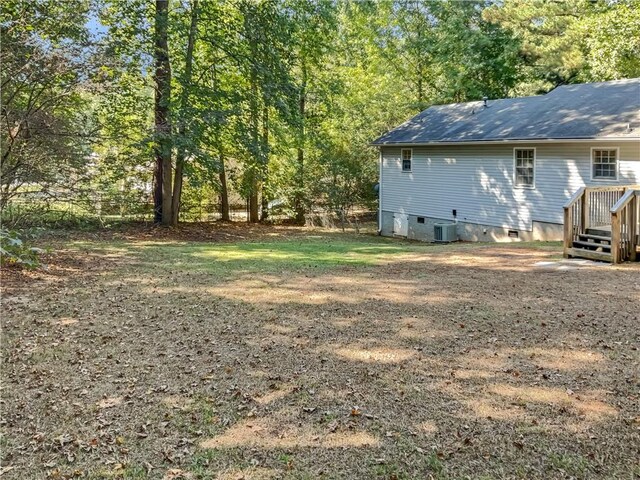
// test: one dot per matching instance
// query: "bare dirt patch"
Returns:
(305, 354)
(191, 231)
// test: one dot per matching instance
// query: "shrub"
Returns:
(14, 251)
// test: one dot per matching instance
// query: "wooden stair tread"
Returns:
(590, 254)
(601, 231)
(591, 245)
(588, 236)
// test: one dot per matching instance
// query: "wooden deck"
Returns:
(603, 223)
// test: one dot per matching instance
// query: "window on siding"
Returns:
(407, 154)
(604, 163)
(524, 161)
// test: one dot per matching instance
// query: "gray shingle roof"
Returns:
(584, 111)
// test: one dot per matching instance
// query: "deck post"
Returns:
(584, 210)
(568, 232)
(615, 238)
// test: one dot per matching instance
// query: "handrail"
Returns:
(624, 225)
(611, 188)
(624, 200)
(576, 196)
(571, 229)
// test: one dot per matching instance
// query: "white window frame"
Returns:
(591, 164)
(402, 150)
(515, 168)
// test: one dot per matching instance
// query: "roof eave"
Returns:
(507, 140)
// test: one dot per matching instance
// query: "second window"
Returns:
(525, 167)
(407, 155)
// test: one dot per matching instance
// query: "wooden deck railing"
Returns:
(599, 202)
(593, 207)
(574, 220)
(625, 226)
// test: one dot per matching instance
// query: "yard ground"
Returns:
(297, 353)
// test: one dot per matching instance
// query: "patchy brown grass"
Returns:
(296, 353)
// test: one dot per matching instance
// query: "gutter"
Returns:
(498, 142)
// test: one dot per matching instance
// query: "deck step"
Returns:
(598, 238)
(601, 232)
(590, 254)
(592, 245)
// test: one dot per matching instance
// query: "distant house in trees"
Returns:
(503, 169)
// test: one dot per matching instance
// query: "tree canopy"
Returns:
(270, 102)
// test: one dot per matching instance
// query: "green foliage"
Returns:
(46, 57)
(282, 97)
(13, 251)
(612, 41)
(50, 214)
(571, 41)
(474, 58)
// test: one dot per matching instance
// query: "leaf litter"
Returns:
(123, 368)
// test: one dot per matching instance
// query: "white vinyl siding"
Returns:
(478, 181)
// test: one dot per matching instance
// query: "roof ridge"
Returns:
(488, 100)
(596, 110)
(616, 81)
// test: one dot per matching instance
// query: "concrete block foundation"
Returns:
(421, 228)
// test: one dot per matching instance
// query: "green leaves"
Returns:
(282, 97)
(14, 251)
(46, 59)
(612, 41)
(571, 41)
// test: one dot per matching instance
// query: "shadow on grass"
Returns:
(300, 252)
(454, 366)
(261, 256)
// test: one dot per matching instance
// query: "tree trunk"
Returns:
(177, 188)
(299, 195)
(157, 190)
(224, 193)
(420, 70)
(299, 201)
(253, 122)
(253, 204)
(265, 160)
(264, 203)
(162, 195)
(182, 128)
(218, 144)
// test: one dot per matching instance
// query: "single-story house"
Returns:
(503, 169)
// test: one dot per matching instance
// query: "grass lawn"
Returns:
(303, 354)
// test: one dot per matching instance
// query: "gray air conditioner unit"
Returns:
(445, 232)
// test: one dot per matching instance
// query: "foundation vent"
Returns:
(445, 232)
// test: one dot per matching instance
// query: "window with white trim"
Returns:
(407, 155)
(604, 163)
(524, 159)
